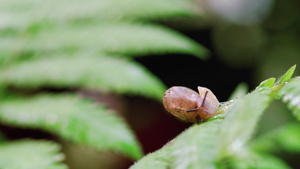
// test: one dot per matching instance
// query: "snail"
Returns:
(189, 106)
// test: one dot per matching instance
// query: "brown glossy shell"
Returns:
(211, 105)
(177, 100)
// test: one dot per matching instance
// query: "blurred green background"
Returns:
(123, 54)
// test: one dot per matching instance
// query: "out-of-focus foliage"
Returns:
(283, 139)
(228, 142)
(243, 12)
(21, 14)
(99, 73)
(74, 119)
(290, 94)
(32, 154)
(256, 160)
(123, 38)
(74, 45)
(259, 34)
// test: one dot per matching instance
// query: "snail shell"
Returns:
(189, 106)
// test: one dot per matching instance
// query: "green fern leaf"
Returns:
(241, 121)
(267, 83)
(117, 38)
(103, 74)
(255, 160)
(74, 119)
(285, 138)
(196, 146)
(193, 148)
(287, 75)
(16, 14)
(290, 94)
(31, 154)
(158, 160)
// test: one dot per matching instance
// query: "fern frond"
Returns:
(290, 94)
(283, 139)
(103, 74)
(73, 119)
(287, 75)
(254, 160)
(193, 148)
(267, 83)
(158, 160)
(113, 38)
(196, 146)
(31, 154)
(16, 14)
(241, 120)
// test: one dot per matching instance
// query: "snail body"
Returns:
(189, 106)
